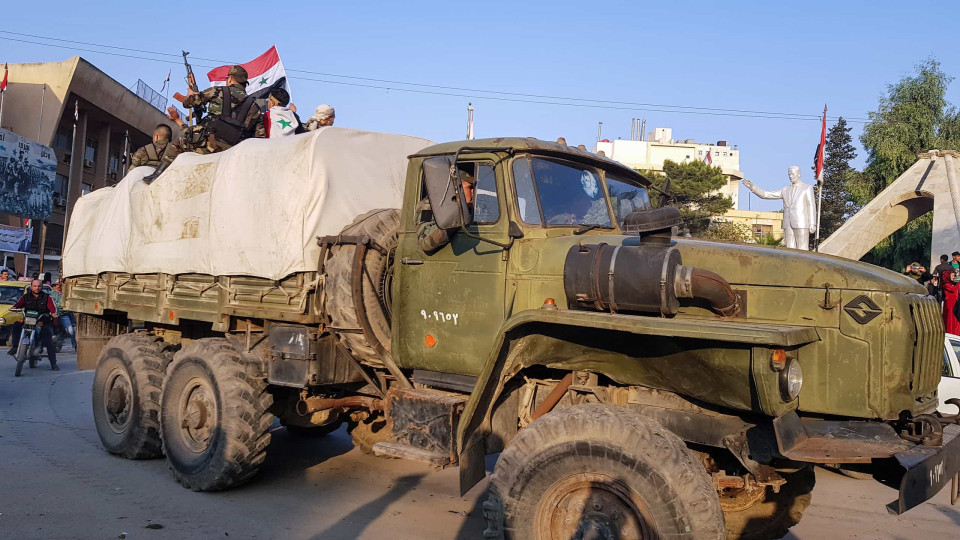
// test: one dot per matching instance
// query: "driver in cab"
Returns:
(430, 237)
(37, 300)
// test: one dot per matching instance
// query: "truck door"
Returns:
(451, 301)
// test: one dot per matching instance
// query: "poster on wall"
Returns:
(15, 238)
(27, 173)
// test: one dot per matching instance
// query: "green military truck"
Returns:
(635, 384)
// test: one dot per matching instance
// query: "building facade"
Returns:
(39, 104)
(762, 224)
(659, 146)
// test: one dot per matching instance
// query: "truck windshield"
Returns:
(626, 197)
(569, 195)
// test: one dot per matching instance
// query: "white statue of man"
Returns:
(799, 208)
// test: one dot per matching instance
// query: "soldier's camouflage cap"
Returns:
(239, 74)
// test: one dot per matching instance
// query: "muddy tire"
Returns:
(215, 421)
(602, 471)
(773, 516)
(370, 430)
(382, 226)
(126, 395)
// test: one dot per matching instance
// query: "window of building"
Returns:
(700, 153)
(90, 153)
(724, 154)
(60, 186)
(63, 137)
(85, 189)
(717, 153)
(114, 164)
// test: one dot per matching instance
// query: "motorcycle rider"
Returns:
(37, 300)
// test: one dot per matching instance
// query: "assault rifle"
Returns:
(192, 84)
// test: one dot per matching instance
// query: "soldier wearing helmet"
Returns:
(231, 116)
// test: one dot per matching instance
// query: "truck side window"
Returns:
(526, 193)
(947, 372)
(487, 204)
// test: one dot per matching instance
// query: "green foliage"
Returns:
(913, 117)
(837, 203)
(691, 185)
(735, 231)
(770, 240)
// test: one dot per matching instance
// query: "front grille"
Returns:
(928, 349)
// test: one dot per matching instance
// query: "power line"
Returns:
(440, 90)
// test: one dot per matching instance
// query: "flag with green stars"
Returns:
(280, 122)
(264, 73)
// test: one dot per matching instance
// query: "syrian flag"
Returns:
(708, 160)
(821, 148)
(264, 73)
(3, 85)
(279, 122)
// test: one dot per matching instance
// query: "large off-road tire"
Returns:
(382, 226)
(214, 416)
(603, 472)
(774, 514)
(126, 395)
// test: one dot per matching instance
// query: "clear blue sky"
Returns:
(765, 56)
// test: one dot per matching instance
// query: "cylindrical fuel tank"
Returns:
(622, 278)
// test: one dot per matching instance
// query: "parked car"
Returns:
(10, 292)
(950, 379)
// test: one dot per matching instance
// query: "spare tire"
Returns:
(381, 226)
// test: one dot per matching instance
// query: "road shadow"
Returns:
(290, 456)
(354, 523)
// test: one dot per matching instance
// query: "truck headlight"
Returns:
(2, 321)
(791, 379)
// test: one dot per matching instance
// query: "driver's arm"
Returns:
(19, 303)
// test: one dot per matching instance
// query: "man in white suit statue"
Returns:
(799, 208)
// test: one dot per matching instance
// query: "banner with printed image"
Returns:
(15, 238)
(27, 173)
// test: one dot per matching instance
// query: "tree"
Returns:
(913, 117)
(836, 205)
(734, 231)
(694, 186)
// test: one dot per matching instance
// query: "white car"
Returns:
(950, 379)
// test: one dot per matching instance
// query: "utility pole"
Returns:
(469, 121)
(73, 162)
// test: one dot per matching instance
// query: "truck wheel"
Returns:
(772, 515)
(382, 226)
(368, 430)
(215, 420)
(604, 472)
(126, 395)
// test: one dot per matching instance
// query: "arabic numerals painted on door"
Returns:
(440, 316)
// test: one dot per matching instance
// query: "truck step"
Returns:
(407, 451)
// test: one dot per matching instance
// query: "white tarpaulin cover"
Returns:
(253, 210)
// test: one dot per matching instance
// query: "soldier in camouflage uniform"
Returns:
(158, 151)
(192, 138)
(200, 138)
(430, 237)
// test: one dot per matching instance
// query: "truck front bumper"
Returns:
(929, 469)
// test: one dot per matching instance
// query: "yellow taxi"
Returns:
(10, 292)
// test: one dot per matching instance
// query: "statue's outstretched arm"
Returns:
(760, 192)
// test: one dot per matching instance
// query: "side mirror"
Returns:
(445, 193)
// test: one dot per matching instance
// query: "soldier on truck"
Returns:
(636, 384)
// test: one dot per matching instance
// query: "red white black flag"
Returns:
(264, 73)
(3, 85)
(821, 148)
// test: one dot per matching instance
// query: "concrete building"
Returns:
(761, 223)
(660, 146)
(39, 105)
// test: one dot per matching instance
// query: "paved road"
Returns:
(57, 482)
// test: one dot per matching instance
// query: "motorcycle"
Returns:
(28, 350)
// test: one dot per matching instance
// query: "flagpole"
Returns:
(3, 94)
(816, 236)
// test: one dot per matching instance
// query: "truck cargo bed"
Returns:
(166, 299)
